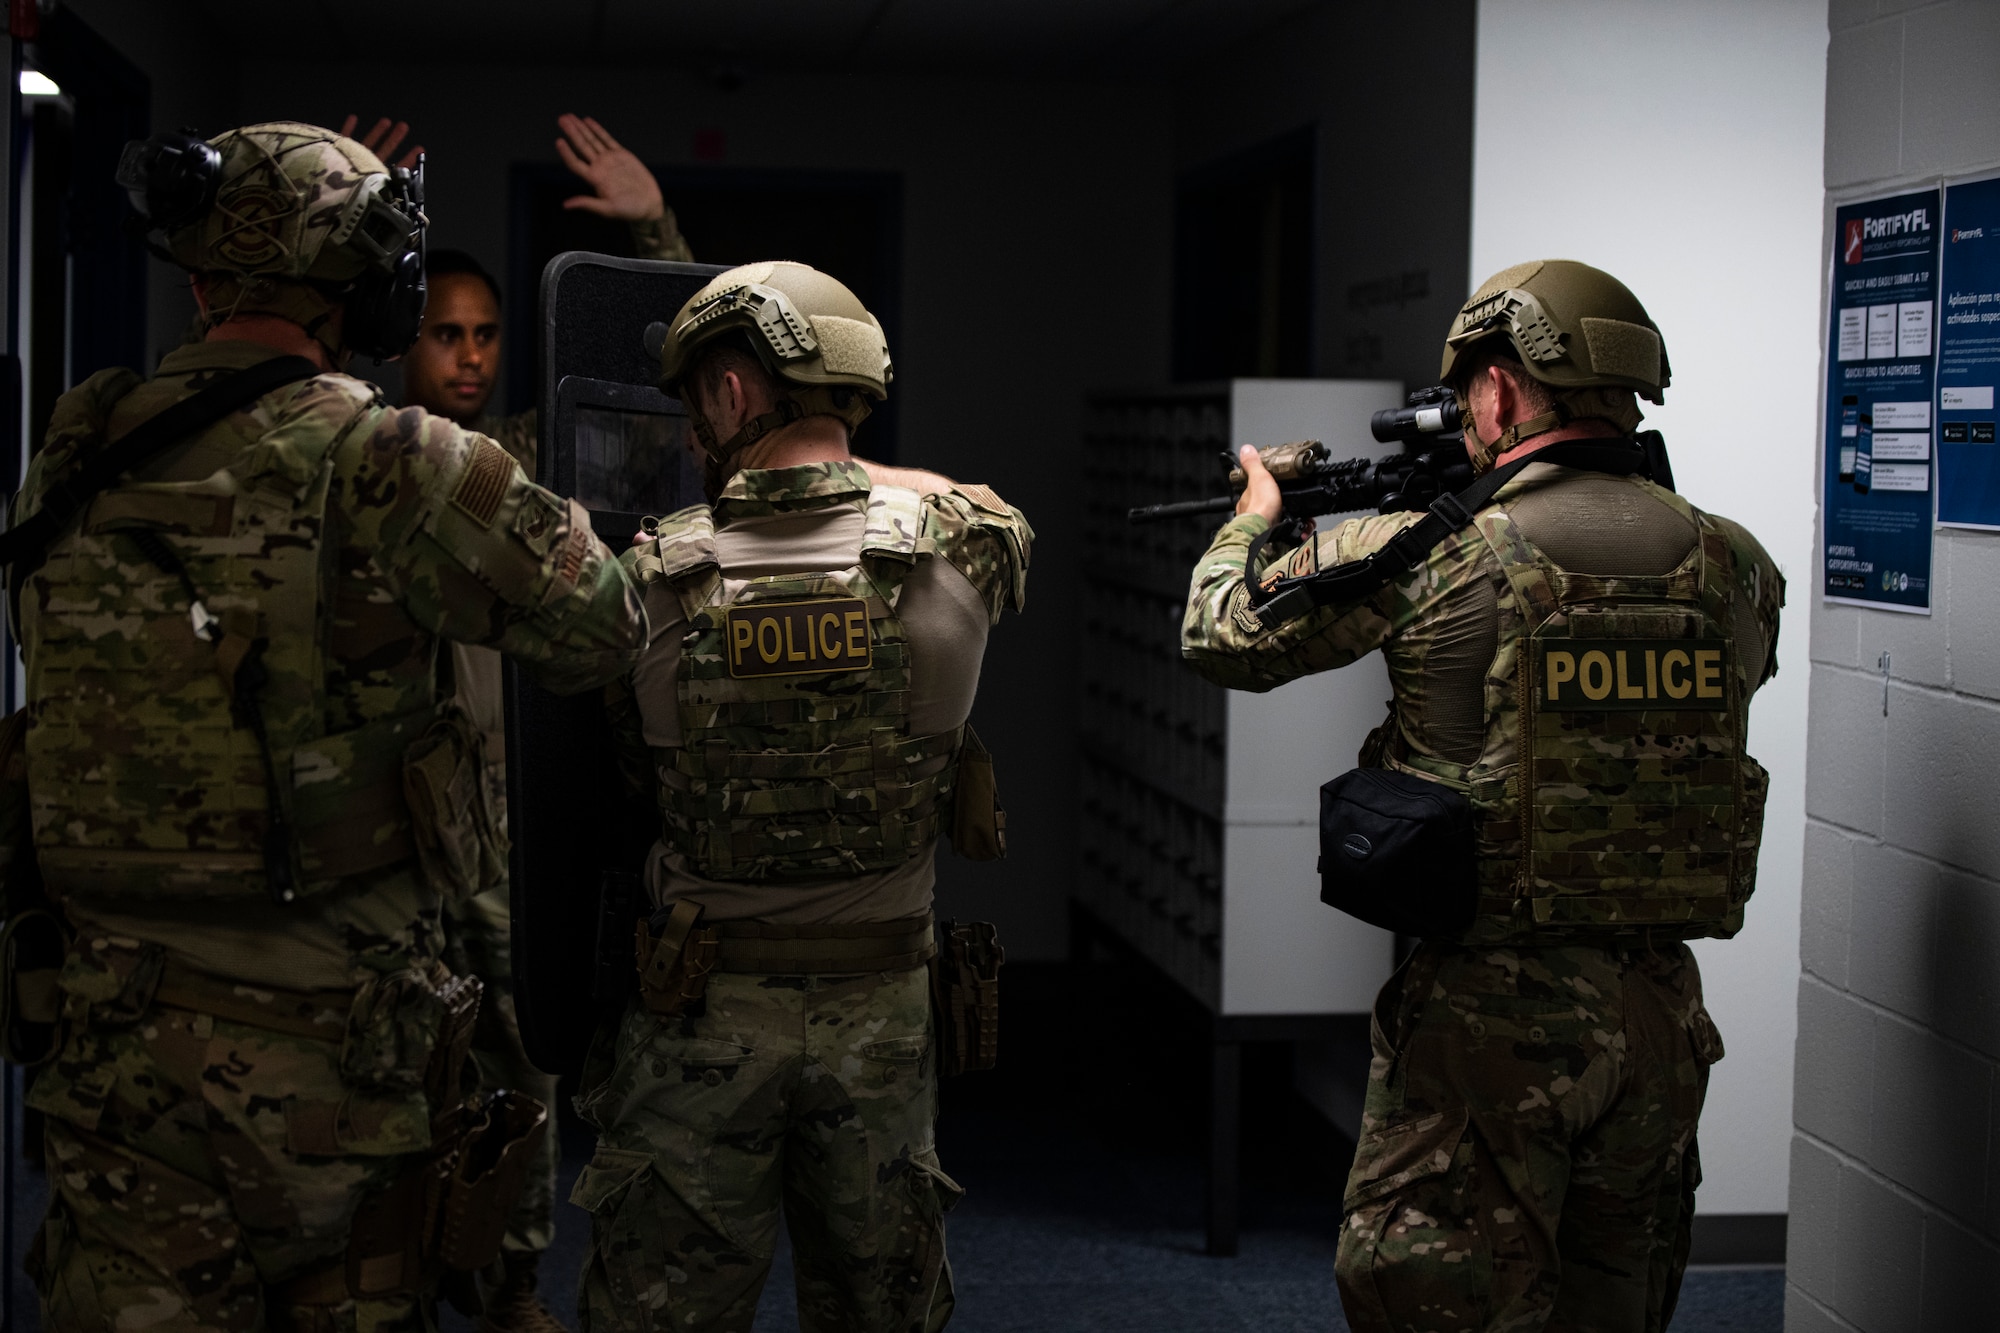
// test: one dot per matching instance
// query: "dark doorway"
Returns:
(848, 224)
(86, 265)
(1243, 264)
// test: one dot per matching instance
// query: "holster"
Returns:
(674, 963)
(965, 995)
(445, 1215)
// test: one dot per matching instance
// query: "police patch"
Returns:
(1589, 675)
(797, 638)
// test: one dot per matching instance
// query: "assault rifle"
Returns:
(1313, 484)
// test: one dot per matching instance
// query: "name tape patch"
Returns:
(798, 638)
(1592, 674)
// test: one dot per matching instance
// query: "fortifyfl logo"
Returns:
(798, 638)
(1967, 234)
(1576, 675)
(1861, 230)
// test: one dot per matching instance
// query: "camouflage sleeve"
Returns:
(1757, 575)
(660, 238)
(986, 539)
(474, 551)
(1223, 639)
(521, 436)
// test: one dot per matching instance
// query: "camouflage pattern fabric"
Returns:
(431, 533)
(817, 1092)
(1527, 1157)
(660, 238)
(198, 1158)
(183, 1187)
(1644, 821)
(792, 776)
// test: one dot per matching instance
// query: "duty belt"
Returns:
(805, 950)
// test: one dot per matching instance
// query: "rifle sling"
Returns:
(1290, 598)
(64, 499)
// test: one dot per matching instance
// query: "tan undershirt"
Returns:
(946, 620)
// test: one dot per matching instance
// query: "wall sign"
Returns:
(1876, 515)
(1968, 460)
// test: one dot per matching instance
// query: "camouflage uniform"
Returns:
(236, 1076)
(478, 930)
(812, 1091)
(1527, 1156)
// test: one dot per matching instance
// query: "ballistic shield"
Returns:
(615, 442)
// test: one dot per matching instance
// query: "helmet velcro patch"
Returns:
(1619, 348)
(850, 347)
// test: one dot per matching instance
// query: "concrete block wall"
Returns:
(1895, 1186)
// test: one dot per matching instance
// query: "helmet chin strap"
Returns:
(718, 463)
(1487, 452)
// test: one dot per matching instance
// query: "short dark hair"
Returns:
(443, 263)
(711, 363)
(1536, 397)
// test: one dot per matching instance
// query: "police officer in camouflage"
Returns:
(800, 718)
(451, 372)
(1575, 662)
(247, 800)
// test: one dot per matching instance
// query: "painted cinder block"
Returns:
(1894, 912)
(1844, 750)
(1813, 1223)
(1950, 99)
(1938, 780)
(1964, 980)
(1961, 1277)
(1834, 1075)
(1878, 1257)
(1864, 74)
(1825, 933)
(1836, 633)
(1975, 612)
(1932, 1117)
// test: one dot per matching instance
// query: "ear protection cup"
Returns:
(171, 178)
(385, 311)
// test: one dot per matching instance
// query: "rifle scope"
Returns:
(1432, 412)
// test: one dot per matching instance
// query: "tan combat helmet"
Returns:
(290, 219)
(1571, 325)
(812, 334)
(1575, 329)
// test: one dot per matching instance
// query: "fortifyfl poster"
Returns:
(1876, 511)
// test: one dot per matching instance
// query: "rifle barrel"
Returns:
(1180, 509)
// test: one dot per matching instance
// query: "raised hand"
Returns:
(384, 139)
(624, 188)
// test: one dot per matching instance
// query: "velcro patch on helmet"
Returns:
(798, 638)
(1594, 675)
(483, 483)
(850, 347)
(1618, 348)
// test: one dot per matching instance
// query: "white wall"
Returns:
(1676, 144)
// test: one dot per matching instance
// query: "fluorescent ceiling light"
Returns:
(34, 83)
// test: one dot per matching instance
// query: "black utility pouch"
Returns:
(1395, 850)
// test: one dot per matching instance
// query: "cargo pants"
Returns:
(205, 1174)
(1527, 1155)
(814, 1092)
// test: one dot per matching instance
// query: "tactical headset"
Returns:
(172, 180)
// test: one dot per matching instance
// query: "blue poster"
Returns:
(1880, 371)
(1968, 460)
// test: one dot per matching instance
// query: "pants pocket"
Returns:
(1410, 1254)
(624, 1276)
(919, 1273)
